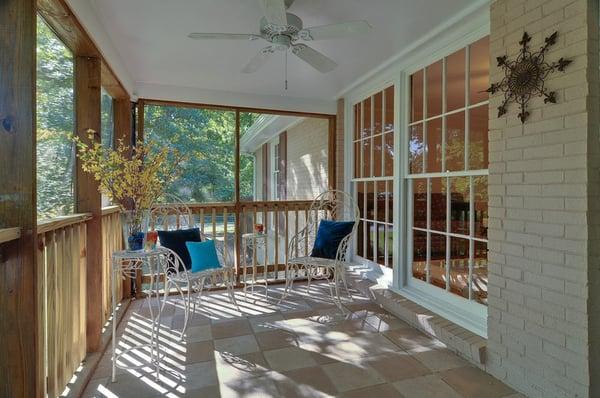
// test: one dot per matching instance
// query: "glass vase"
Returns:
(135, 227)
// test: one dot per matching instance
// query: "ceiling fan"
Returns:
(283, 30)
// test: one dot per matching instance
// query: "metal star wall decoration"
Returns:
(526, 75)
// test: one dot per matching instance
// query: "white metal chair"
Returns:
(185, 281)
(331, 205)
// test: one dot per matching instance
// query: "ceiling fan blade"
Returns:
(258, 60)
(314, 58)
(223, 36)
(274, 11)
(338, 30)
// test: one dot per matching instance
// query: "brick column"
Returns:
(543, 324)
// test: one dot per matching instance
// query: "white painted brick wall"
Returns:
(307, 159)
(543, 320)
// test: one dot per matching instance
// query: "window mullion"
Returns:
(467, 109)
(471, 234)
(448, 230)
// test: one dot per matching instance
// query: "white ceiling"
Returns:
(150, 37)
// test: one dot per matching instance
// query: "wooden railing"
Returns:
(9, 234)
(61, 296)
(228, 222)
(112, 240)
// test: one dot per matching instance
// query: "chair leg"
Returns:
(309, 275)
(288, 280)
(343, 271)
(230, 290)
(186, 307)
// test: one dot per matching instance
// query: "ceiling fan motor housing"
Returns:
(281, 35)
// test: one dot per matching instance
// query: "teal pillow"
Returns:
(204, 255)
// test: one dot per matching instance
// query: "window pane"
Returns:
(370, 240)
(55, 121)
(357, 159)
(419, 255)
(377, 155)
(455, 142)
(419, 193)
(357, 116)
(360, 242)
(381, 200)
(455, 80)
(434, 146)
(388, 153)
(366, 127)
(434, 89)
(480, 273)
(437, 267)
(389, 109)
(107, 119)
(459, 266)
(459, 205)
(390, 245)
(390, 191)
(478, 138)
(370, 201)
(378, 113)
(481, 206)
(366, 156)
(479, 70)
(416, 95)
(416, 149)
(381, 243)
(207, 137)
(438, 203)
(360, 198)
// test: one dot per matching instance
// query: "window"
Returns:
(207, 137)
(374, 175)
(107, 120)
(275, 174)
(55, 122)
(447, 172)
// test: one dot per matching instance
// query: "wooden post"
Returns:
(124, 131)
(21, 351)
(87, 116)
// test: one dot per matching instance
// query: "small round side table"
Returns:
(125, 265)
(254, 242)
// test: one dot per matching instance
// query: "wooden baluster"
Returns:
(52, 314)
(41, 294)
(296, 230)
(82, 255)
(266, 250)
(306, 235)
(254, 259)
(202, 219)
(287, 240)
(60, 305)
(225, 246)
(276, 222)
(214, 223)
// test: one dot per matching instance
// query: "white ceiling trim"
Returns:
(88, 19)
(478, 8)
(216, 97)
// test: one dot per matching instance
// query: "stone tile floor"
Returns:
(303, 347)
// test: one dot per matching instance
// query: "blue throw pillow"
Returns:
(329, 237)
(175, 240)
(204, 255)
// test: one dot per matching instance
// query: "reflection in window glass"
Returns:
(434, 89)
(480, 202)
(455, 80)
(389, 109)
(419, 255)
(419, 193)
(478, 138)
(479, 70)
(416, 148)
(378, 113)
(434, 146)
(455, 142)
(416, 86)
(480, 272)
(55, 121)
(459, 266)
(438, 203)
(437, 267)
(377, 155)
(459, 205)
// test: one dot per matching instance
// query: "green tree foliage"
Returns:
(55, 121)
(207, 138)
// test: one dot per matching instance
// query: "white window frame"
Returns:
(462, 30)
(274, 167)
